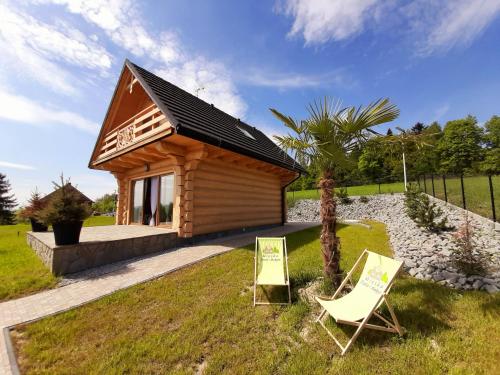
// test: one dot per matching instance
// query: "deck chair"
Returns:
(370, 292)
(271, 266)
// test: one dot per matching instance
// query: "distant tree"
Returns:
(491, 162)
(407, 142)
(7, 202)
(426, 159)
(460, 146)
(105, 204)
(371, 161)
(417, 128)
(389, 131)
(492, 132)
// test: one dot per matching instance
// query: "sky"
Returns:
(437, 60)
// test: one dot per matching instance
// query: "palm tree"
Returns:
(324, 141)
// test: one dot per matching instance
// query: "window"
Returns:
(246, 133)
(152, 200)
(137, 201)
(166, 198)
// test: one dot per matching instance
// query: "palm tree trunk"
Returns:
(329, 240)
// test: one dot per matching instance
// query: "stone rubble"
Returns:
(426, 255)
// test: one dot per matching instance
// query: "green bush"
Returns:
(363, 199)
(342, 195)
(64, 206)
(420, 209)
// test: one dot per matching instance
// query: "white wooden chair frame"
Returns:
(287, 281)
(392, 326)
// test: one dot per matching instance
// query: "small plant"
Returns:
(30, 213)
(412, 200)
(35, 205)
(420, 209)
(363, 199)
(64, 206)
(342, 195)
(465, 255)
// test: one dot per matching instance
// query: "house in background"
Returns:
(82, 198)
(183, 164)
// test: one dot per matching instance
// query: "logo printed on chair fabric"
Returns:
(270, 253)
(375, 279)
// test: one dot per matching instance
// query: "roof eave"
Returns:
(214, 141)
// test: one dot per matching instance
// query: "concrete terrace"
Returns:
(100, 245)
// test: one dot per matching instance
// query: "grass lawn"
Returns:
(202, 318)
(396, 187)
(477, 193)
(21, 271)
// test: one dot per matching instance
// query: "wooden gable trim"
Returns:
(129, 77)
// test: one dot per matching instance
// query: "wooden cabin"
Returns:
(183, 164)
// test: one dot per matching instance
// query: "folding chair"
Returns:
(370, 292)
(271, 266)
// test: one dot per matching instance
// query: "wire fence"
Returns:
(479, 194)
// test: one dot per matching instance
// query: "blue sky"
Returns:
(436, 59)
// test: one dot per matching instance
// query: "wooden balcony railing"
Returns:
(144, 124)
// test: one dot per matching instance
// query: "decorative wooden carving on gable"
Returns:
(146, 123)
(140, 119)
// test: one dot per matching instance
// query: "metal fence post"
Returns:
(492, 199)
(432, 181)
(444, 187)
(463, 191)
(425, 185)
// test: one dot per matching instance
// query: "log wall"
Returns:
(227, 196)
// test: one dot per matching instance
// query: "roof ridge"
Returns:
(198, 119)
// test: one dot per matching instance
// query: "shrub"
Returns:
(64, 206)
(342, 195)
(363, 199)
(420, 209)
(465, 255)
(35, 205)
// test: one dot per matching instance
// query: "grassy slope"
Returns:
(204, 315)
(21, 271)
(477, 194)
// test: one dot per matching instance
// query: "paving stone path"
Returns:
(75, 294)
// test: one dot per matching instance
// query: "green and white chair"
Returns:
(363, 302)
(271, 266)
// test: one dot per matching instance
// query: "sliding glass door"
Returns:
(137, 201)
(166, 198)
(152, 200)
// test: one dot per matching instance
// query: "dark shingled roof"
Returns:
(195, 118)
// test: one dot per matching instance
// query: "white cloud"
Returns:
(459, 23)
(292, 80)
(35, 49)
(121, 20)
(211, 78)
(6, 164)
(24, 110)
(433, 25)
(322, 20)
